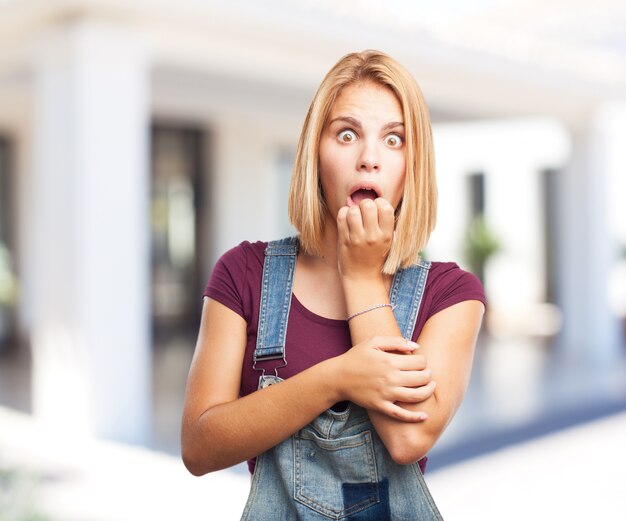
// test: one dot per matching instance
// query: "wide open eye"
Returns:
(393, 141)
(346, 136)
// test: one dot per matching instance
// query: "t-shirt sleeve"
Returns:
(226, 283)
(453, 286)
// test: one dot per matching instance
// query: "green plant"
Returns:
(480, 244)
(8, 287)
(17, 491)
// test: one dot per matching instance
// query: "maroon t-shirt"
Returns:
(236, 283)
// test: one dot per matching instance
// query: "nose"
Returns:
(369, 157)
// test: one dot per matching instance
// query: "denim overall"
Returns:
(336, 467)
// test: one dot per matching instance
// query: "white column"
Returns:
(614, 116)
(586, 248)
(91, 313)
(245, 187)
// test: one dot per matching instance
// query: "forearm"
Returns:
(229, 433)
(406, 442)
(361, 294)
(446, 340)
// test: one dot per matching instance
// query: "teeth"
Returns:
(361, 194)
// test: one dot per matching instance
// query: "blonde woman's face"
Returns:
(362, 149)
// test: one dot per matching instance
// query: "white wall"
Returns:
(511, 154)
(88, 246)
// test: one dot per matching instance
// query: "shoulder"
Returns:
(450, 272)
(235, 275)
(237, 265)
(243, 257)
(447, 284)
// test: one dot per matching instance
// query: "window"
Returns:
(176, 206)
(7, 272)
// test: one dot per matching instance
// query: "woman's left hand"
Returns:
(364, 236)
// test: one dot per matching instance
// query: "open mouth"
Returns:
(361, 194)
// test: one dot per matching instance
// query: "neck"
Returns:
(328, 255)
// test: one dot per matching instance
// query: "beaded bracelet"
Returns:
(377, 306)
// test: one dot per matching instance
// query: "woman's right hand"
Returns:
(377, 374)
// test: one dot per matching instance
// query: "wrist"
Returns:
(368, 309)
(350, 280)
(332, 374)
(361, 293)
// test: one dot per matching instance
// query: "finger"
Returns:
(355, 224)
(416, 362)
(342, 224)
(415, 378)
(386, 217)
(416, 395)
(393, 343)
(369, 215)
(399, 413)
(426, 391)
(402, 349)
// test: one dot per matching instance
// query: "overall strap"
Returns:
(406, 295)
(278, 270)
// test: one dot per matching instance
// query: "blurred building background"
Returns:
(140, 140)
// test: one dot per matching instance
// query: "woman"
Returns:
(369, 346)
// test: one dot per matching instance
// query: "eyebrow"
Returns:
(357, 124)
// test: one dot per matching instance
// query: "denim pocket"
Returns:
(336, 477)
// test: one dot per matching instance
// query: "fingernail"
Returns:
(413, 344)
(423, 416)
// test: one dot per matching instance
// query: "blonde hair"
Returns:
(416, 215)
